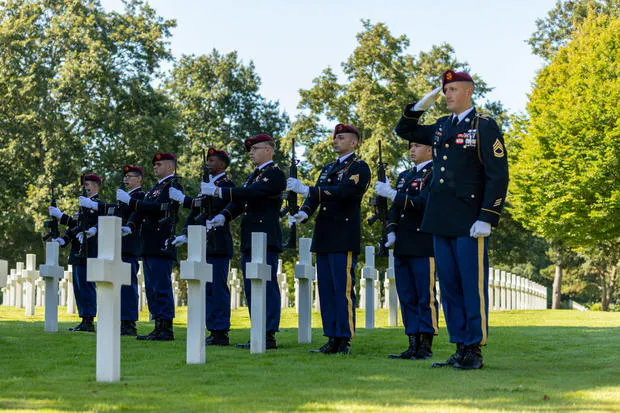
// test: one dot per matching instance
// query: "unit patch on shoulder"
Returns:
(355, 178)
(498, 149)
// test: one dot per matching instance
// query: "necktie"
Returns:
(253, 176)
(455, 121)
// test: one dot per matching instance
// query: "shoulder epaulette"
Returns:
(483, 116)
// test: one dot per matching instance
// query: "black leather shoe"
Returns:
(425, 345)
(472, 359)
(270, 343)
(344, 346)
(165, 331)
(218, 338)
(411, 350)
(128, 328)
(328, 348)
(86, 325)
(150, 336)
(460, 353)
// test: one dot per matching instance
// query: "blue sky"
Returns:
(291, 42)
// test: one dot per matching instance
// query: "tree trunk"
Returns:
(557, 281)
(604, 296)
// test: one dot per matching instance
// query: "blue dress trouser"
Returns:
(158, 286)
(85, 292)
(463, 268)
(415, 284)
(218, 295)
(273, 290)
(129, 293)
(336, 282)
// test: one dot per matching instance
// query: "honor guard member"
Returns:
(82, 225)
(131, 245)
(465, 200)
(219, 246)
(413, 249)
(259, 200)
(337, 197)
(156, 216)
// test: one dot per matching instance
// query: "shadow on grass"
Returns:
(526, 369)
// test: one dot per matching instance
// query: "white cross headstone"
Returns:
(390, 288)
(317, 296)
(283, 284)
(504, 290)
(377, 292)
(4, 275)
(29, 275)
(71, 304)
(62, 287)
(235, 289)
(296, 293)
(370, 274)
(141, 296)
(175, 289)
(197, 273)
(19, 286)
(304, 274)
(40, 283)
(11, 282)
(258, 272)
(109, 272)
(51, 272)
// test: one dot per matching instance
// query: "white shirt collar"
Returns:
(421, 166)
(261, 167)
(345, 157)
(163, 179)
(462, 115)
(216, 177)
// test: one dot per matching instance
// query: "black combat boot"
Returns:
(472, 359)
(218, 338)
(271, 340)
(152, 334)
(165, 331)
(425, 345)
(458, 356)
(344, 345)
(414, 340)
(328, 348)
(128, 328)
(87, 325)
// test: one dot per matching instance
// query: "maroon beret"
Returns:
(91, 177)
(450, 76)
(220, 154)
(164, 156)
(261, 137)
(132, 168)
(340, 128)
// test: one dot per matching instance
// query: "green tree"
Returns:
(75, 94)
(564, 180)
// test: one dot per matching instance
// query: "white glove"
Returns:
(207, 188)
(480, 229)
(295, 185)
(59, 240)
(88, 203)
(385, 190)
(180, 240)
(176, 195)
(122, 196)
(91, 232)
(55, 212)
(125, 231)
(80, 237)
(391, 239)
(427, 101)
(217, 221)
(298, 218)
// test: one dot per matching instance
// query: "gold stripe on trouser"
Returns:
(348, 292)
(483, 314)
(431, 291)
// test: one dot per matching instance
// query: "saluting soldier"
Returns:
(337, 197)
(219, 246)
(466, 198)
(131, 247)
(82, 225)
(414, 264)
(259, 200)
(156, 216)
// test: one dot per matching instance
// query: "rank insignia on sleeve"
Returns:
(497, 202)
(327, 193)
(355, 178)
(498, 149)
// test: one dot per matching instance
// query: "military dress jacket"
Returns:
(470, 177)
(131, 244)
(337, 196)
(259, 200)
(70, 235)
(219, 239)
(149, 219)
(407, 211)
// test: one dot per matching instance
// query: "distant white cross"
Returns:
(51, 272)
(370, 274)
(258, 272)
(305, 274)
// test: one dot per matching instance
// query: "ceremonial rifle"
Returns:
(380, 208)
(52, 223)
(292, 207)
(170, 216)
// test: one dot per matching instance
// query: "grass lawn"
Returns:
(546, 361)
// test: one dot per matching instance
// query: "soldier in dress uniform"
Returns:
(259, 200)
(131, 246)
(156, 216)
(413, 249)
(337, 196)
(219, 246)
(465, 200)
(85, 292)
